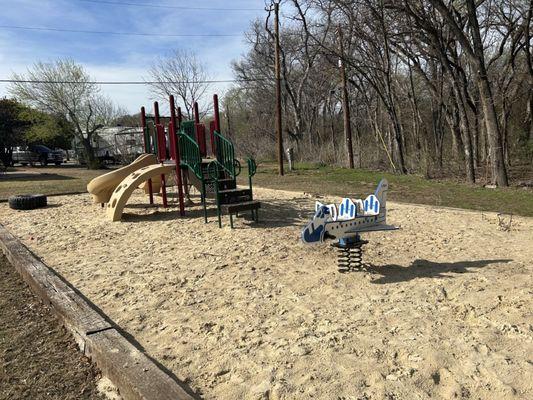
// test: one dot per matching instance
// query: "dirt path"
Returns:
(38, 358)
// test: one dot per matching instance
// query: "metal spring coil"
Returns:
(350, 256)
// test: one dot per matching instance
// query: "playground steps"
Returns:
(216, 177)
(223, 184)
(243, 206)
(227, 184)
(236, 208)
(233, 196)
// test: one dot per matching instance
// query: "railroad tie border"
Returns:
(136, 375)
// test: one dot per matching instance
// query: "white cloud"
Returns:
(121, 58)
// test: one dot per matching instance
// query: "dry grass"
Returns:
(49, 180)
(336, 181)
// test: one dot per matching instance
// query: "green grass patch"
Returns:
(48, 181)
(325, 180)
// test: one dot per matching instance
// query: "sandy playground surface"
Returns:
(444, 311)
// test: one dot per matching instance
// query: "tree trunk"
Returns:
(475, 144)
(497, 164)
(466, 135)
(529, 118)
(358, 142)
(90, 157)
(438, 133)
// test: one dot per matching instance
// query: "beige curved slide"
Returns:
(102, 187)
(122, 193)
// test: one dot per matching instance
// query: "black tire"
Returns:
(43, 160)
(57, 163)
(24, 164)
(27, 201)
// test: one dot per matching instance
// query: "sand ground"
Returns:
(443, 311)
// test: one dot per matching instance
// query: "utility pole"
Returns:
(279, 133)
(345, 101)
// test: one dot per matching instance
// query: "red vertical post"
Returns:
(171, 140)
(143, 126)
(217, 113)
(184, 176)
(159, 144)
(217, 123)
(196, 117)
(146, 142)
(177, 157)
(156, 112)
(196, 113)
(200, 138)
(212, 136)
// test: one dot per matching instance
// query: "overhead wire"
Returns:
(165, 6)
(36, 28)
(110, 2)
(31, 81)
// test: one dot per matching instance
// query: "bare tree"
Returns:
(181, 74)
(432, 83)
(64, 87)
(464, 23)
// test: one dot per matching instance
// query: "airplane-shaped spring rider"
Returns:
(345, 226)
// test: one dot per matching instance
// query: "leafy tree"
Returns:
(12, 126)
(65, 88)
(48, 129)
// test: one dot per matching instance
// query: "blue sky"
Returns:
(112, 57)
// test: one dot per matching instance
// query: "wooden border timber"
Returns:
(136, 376)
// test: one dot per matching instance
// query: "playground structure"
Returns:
(345, 224)
(181, 147)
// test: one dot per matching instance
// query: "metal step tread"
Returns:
(235, 191)
(242, 206)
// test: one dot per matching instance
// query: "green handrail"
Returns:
(225, 154)
(252, 169)
(190, 154)
(213, 173)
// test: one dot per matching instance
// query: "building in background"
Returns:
(117, 144)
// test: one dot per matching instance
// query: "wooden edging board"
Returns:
(136, 376)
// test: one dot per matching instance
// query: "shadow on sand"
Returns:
(22, 177)
(426, 269)
(273, 214)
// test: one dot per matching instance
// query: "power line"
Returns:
(128, 82)
(149, 5)
(35, 28)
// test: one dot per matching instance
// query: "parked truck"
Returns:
(37, 154)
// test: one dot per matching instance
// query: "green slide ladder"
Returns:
(217, 178)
